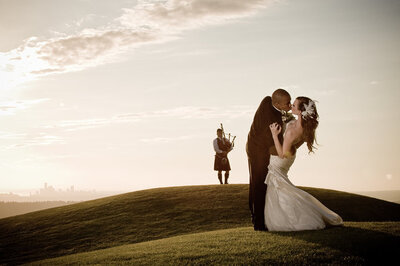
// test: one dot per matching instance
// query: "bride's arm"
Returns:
(282, 150)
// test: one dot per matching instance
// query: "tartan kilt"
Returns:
(221, 163)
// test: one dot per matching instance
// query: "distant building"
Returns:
(49, 193)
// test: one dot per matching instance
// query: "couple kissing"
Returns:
(275, 203)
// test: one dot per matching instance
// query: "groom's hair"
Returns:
(278, 95)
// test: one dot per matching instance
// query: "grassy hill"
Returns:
(355, 244)
(388, 195)
(156, 214)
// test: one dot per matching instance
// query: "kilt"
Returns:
(221, 163)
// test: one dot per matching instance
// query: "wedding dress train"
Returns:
(288, 208)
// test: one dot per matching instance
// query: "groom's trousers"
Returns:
(258, 170)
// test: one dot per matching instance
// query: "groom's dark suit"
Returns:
(259, 142)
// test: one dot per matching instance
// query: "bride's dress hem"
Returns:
(288, 208)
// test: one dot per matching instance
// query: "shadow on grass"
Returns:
(372, 246)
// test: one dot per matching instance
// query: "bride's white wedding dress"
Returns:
(288, 208)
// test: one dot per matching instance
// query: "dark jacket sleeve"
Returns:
(260, 137)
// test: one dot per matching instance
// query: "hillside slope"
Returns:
(153, 214)
(357, 243)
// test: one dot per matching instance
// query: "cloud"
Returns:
(10, 108)
(74, 125)
(147, 22)
(25, 140)
(92, 48)
(194, 112)
(85, 19)
(158, 140)
(47, 71)
(179, 14)
(11, 136)
(22, 140)
(182, 112)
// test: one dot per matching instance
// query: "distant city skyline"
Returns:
(50, 193)
(59, 194)
(127, 95)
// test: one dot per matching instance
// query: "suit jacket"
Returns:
(260, 139)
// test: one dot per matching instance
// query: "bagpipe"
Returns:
(227, 142)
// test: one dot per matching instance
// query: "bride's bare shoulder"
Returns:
(292, 132)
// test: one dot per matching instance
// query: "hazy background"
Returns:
(126, 95)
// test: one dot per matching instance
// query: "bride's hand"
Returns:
(275, 128)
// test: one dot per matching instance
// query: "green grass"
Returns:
(355, 243)
(154, 214)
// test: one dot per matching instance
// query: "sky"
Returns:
(127, 95)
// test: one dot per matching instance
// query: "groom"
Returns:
(259, 146)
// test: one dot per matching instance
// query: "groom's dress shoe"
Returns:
(260, 228)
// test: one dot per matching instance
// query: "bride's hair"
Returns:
(309, 120)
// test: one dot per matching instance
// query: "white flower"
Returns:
(310, 110)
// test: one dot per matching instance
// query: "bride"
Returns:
(288, 208)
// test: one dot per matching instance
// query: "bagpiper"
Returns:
(222, 147)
